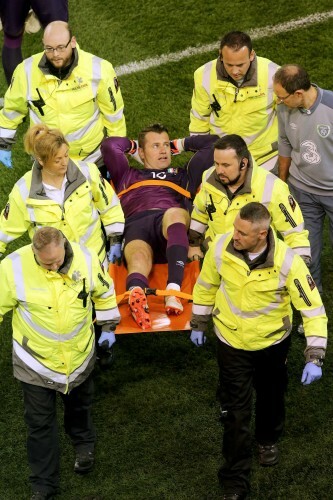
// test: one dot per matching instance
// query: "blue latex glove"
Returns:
(198, 338)
(106, 340)
(6, 158)
(114, 254)
(311, 373)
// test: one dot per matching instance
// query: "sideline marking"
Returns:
(153, 62)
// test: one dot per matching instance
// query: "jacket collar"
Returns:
(69, 255)
(251, 77)
(245, 188)
(62, 73)
(269, 255)
(74, 179)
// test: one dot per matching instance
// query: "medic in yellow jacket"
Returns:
(85, 103)
(89, 202)
(217, 203)
(220, 106)
(251, 308)
(53, 335)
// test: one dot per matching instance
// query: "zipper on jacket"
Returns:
(236, 94)
(229, 204)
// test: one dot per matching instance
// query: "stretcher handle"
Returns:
(158, 293)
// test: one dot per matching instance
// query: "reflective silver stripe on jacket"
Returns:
(202, 310)
(116, 227)
(36, 366)
(218, 251)
(28, 73)
(285, 268)
(84, 167)
(43, 371)
(81, 132)
(18, 273)
(24, 192)
(316, 341)
(88, 258)
(206, 80)
(268, 189)
(108, 315)
(82, 368)
(6, 133)
(96, 73)
(26, 314)
(91, 227)
(93, 157)
(59, 337)
(116, 117)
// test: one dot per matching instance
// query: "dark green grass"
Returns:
(155, 412)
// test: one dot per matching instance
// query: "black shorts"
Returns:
(147, 226)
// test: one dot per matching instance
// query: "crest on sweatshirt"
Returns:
(323, 130)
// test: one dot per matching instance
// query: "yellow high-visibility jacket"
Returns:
(251, 309)
(261, 186)
(53, 335)
(85, 106)
(219, 107)
(89, 201)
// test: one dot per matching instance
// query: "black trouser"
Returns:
(240, 372)
(41, 419)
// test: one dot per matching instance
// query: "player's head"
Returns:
(154, 147)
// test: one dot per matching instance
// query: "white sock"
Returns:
(173, 286)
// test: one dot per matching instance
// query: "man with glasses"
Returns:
(305, 117)
(67, 86)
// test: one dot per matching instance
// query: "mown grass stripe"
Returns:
(153, 62)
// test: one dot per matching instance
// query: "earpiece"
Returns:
(242, 165)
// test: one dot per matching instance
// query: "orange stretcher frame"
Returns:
(160, 321)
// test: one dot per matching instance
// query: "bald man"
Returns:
(63, 84)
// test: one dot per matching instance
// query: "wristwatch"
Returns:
(317, 361)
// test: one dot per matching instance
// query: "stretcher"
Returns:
(160, 321)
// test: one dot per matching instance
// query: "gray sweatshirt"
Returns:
(306, 135)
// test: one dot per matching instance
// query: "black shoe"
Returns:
(84, 462)
(38, 495)
(268, 454)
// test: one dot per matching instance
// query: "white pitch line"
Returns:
(153, 62)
